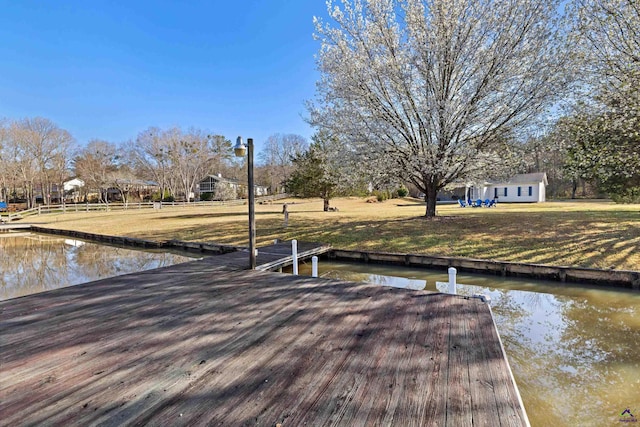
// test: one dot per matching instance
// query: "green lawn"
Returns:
(594, 234)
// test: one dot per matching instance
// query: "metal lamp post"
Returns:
(241, 150)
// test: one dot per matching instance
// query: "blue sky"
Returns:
(110, 69)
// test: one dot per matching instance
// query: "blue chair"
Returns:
(487, 202)
(492, 203)
(477, 203)
(462, 204)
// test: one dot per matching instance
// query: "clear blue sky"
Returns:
(110, 69)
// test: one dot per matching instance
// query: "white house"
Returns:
(73, 184)
(523, 188)
(73, 190)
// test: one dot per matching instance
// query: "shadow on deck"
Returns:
(200, 344)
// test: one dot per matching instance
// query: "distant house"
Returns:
(213, 182)
(74, 184)
(523, 188)
(73, 189)
(128, 189)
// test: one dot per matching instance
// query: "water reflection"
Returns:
(32, 263)
(574, 351)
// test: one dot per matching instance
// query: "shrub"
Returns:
(403, 191)
(627, 195)
(381, 195)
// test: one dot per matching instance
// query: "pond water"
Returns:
(32, 263)
(574, 351)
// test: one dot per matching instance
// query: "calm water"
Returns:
(32, 263)
(574, 351)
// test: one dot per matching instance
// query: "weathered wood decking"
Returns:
(201, 344)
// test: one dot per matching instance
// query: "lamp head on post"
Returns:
(240, 149)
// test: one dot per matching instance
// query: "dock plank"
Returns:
(200, 344)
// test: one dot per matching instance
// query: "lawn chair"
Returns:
(492, 203)
(462, 203)
(477, 203)
(487, 202)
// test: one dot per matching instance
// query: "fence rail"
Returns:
(87, 207)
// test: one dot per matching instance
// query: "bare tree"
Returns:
(150, 156)
(191, 158)
(178, 160)
(50, 148)
(276, 158)
(432, 86)
(24, 164)
(95, 164)
(34, 152)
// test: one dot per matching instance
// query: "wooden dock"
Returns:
(201, 344)
(270, 258)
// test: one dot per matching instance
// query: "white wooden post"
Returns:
(314, 266)
(294, 253)
(452, 280)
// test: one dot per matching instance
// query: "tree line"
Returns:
(37, 156)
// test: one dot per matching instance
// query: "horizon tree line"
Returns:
(37, 157)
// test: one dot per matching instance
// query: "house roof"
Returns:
(76, 179)
(229, 180)
(221, 179)
(527, 178)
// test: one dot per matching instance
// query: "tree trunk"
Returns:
(574, 188)
(326, 205)
(430, 198)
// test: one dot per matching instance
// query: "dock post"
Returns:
(452, 280)
(294, 253)
(314, 266)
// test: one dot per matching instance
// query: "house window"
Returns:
(495, 193)
(519, 191)
(505, 191)
(530, 191)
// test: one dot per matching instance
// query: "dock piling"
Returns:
(294, 254)
(452, 280)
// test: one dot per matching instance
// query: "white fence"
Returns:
(87, 207)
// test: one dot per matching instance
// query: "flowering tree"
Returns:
(603, 131)
(432, 86)
(606, 35)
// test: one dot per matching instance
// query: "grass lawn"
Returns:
(594, 234)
